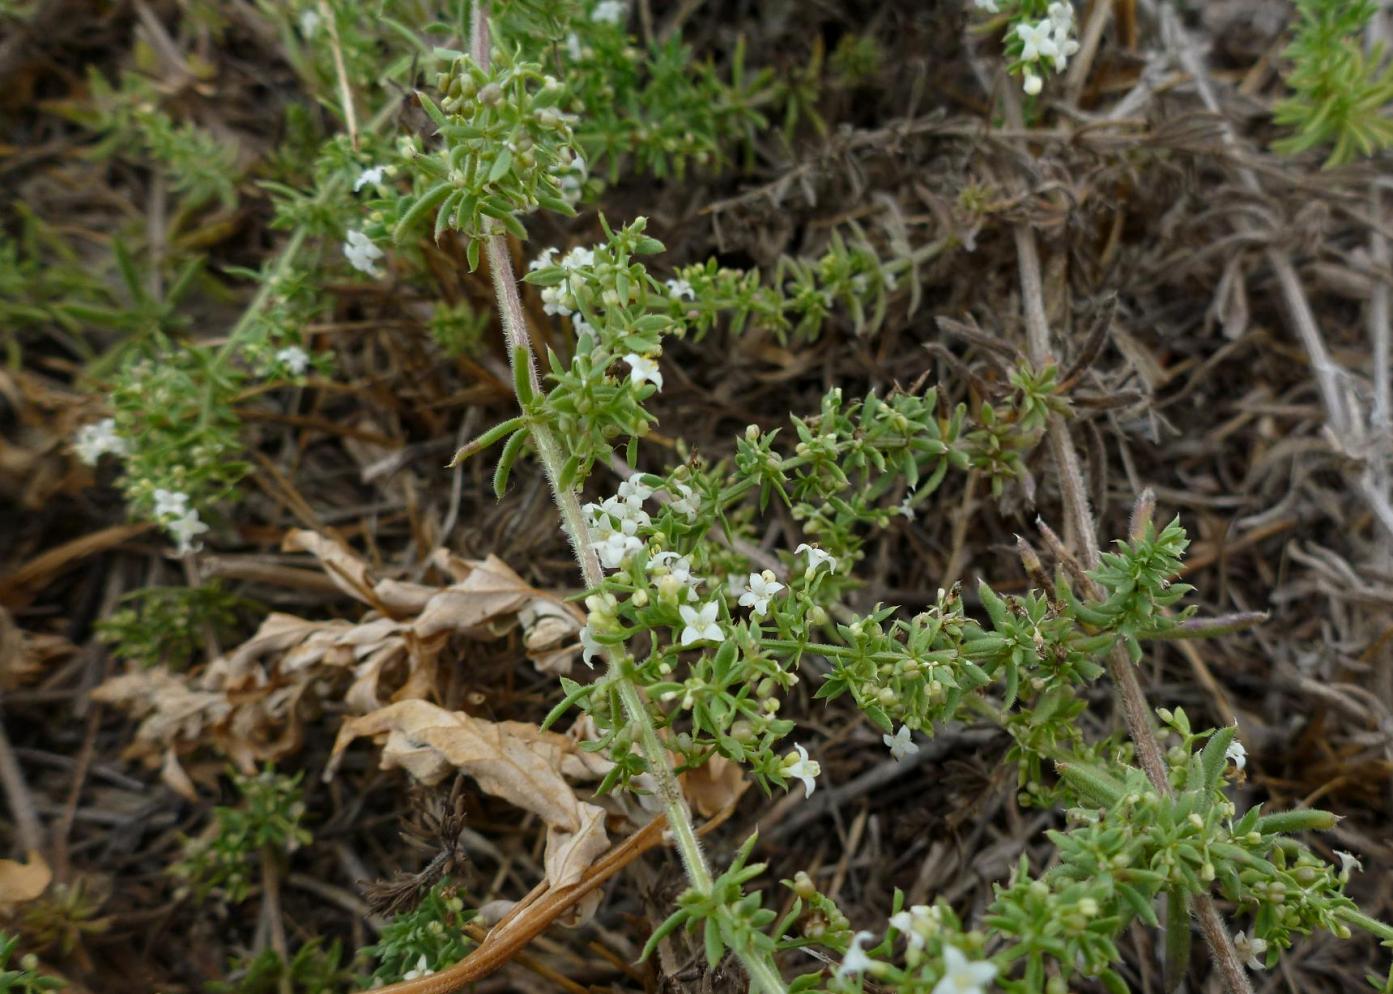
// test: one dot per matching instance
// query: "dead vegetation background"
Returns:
(1148, 187)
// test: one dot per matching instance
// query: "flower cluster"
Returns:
(1046, 44)
(99, 439)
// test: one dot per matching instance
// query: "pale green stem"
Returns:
(764, 975)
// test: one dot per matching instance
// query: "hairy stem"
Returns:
(764, 975)
(1132, 702)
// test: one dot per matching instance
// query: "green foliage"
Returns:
(313, 969)
(200, 167)
(426, 939)
(27, 979)
(167, 626)
(1339, 93)
(504, 149)
(266, 822)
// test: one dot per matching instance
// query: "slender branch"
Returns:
(763, 973)
(350, 116)
(1131, 697)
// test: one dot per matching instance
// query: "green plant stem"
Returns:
(764, 975)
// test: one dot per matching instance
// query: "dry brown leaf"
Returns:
(249, 701)
(511, 760)
(21, 882)
(714, 785)
(347, 571)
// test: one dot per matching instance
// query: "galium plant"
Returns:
(267, 821)
(700, 637)
(1039, 36)
(696, 634)
(26, 979)
(1339, 92)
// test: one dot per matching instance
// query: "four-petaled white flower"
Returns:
(900, 744)
(1249, 949)
(589, 647)
(545, 260)
(906, 507)
(961, 975)
(634, 491)
(1237, 754)
(361, 253)
(1037, 41)
(99, 439)
(758, 592)
(856, 962)
(701, 624)
(1348, 862)
(915, 923)
(578, 257)
(616, 547)
(816, 559)
(373, 176)
(677, 289)
(610, 12)
(422, 969)
(676, 566)
(642, 368)
(684, 500)
(799, 767)
(1061, 16)
(170, 503)
(185, 529)
(1066, 47)
(294, 358)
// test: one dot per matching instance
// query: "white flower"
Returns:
(573, 46)
(610, 12)
(361, 253)
(616, 547)
(309, 23)
(422, 969)
(900, 744)
(816, 559)
(677, 567)
(1067, 46)
(701, 624)
(677, 289)
(1061, 16)
(684, 501)
(294, 358)
(578, 257)
(1237, 753)
(98, 439)
(642, 368)
(1348, 862)
(906, 508)
(589, 648)
(1033, 84)
(634, 491)
(1249, 949)
(988, 5)
(758, 592)
(373, 176)
(856, 962)
(558, 300)
(915, 924)
(545, 260)
(170, 503)
(800, 767)
(961, 975)
(186, 529)
(1037, 41)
